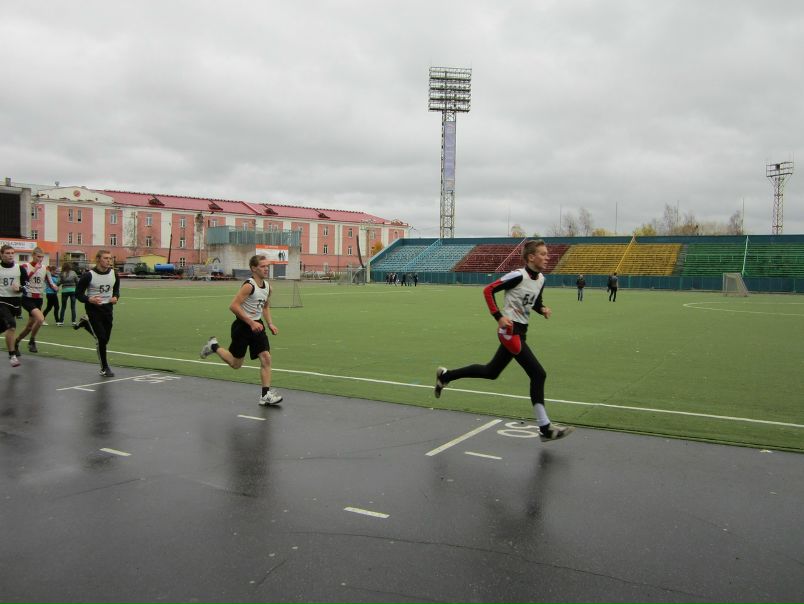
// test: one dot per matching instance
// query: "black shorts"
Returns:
(243, 338)
(31, 303)
(8, 316)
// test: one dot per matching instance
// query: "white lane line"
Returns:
(84, 386)
(451, 389)
(482, 455)
(116, 452)
(366, 512)
(470, 434)
(259, 419)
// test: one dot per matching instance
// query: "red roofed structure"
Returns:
(79, 221)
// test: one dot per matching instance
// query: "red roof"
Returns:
(244, 208)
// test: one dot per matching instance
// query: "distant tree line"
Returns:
(671, 223)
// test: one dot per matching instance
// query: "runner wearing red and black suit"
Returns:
(12, 281)
(523, 292)
(99, 290)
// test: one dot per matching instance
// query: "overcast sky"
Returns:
(619, 107)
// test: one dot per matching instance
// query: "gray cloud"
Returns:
(622, 104)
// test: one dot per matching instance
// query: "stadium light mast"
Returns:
(778, 174)
(450, 93)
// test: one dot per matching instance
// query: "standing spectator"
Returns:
(99, 290)
(51, 293)
(67, 280)
(252, 311)
(415, 279)
(581, 283)
(33, 295)
(523, 291)
(12, 281)
(613, 282)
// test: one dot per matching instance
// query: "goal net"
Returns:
(733, 285)
(286, 293)
(352, 276)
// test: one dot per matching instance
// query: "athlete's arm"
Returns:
(266, 315)
(81, 288)
(497, 286)
(115, 289)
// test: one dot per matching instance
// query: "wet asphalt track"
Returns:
(155, 487)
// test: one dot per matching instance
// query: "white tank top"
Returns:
(35, 288)
(9, 277)
(254, 304)
(101, 285)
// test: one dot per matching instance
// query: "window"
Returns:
(113, 218)
(148, 241)
(182, 262)
(372, 234)
(182, 242)
(326, 249)
(350, 234)
(70, 215)
(34, 234)
(349, 251)
(78, 215)
(113, 239)
(213, 222)
(69, 237)
(34, 211)
(326, 230)
(24, 258)
(182, 222)
(79, 238)
(149, 219)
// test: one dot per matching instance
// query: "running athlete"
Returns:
(523, 291)
(12, 280)
(252, 310)
(99, 290)
(33, 295)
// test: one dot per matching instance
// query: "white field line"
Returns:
(259, 419)
(484, 455)
(701, 306)
(451, 389)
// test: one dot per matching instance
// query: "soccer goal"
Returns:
(286, 293)
(352, 276)
(733, 285)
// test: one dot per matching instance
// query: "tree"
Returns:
(376, 247)
(517, 231)
(585, 222)
(735, 226)
(646, 230)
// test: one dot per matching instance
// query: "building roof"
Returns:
(244, 208)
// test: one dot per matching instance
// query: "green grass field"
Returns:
(680, 364)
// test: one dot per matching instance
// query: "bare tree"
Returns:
(585, 222)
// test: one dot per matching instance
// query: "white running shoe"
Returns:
(207, 348)
(15, 362)
(556, 432)
(440, 383)
(270, 398)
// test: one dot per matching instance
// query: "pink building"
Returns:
(75, 222)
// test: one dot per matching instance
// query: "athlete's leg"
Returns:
(489, 371)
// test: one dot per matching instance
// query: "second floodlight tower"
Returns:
(450, 93)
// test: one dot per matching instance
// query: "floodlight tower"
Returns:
(778, 174)
(450, 93)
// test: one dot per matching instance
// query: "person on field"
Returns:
(68, 280)
(33, 296)
(523, 292)
(12, 282)
(612, 285)
(252, 311)
(99, 290)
